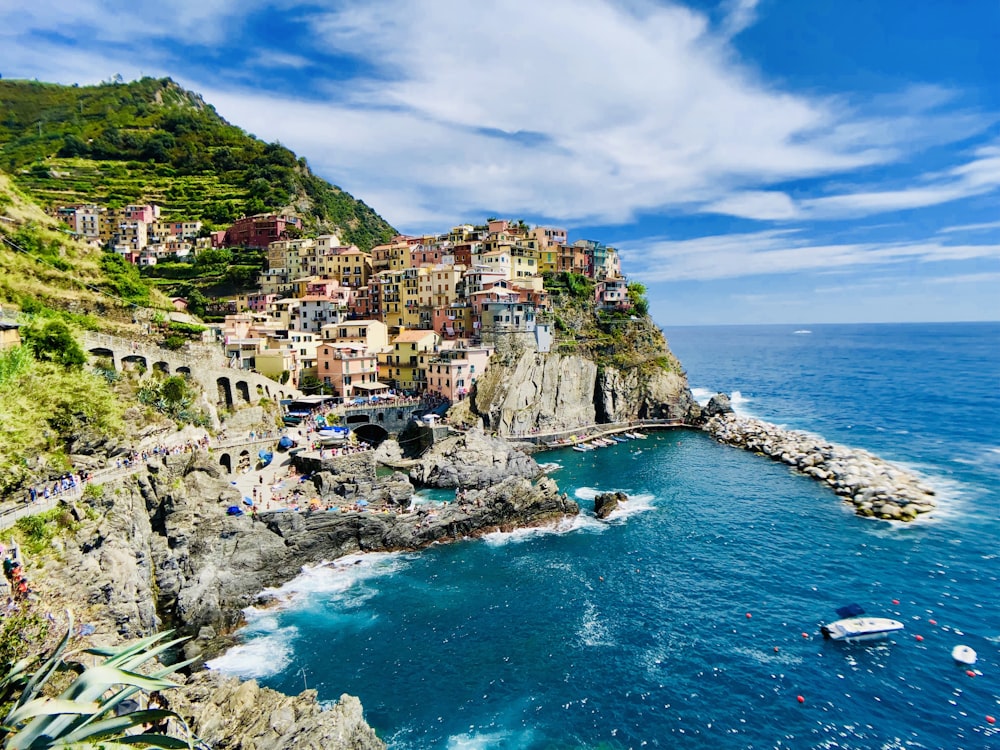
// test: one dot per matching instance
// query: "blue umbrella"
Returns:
(248, 501)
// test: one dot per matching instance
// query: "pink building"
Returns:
(346, 368)
(452, 372)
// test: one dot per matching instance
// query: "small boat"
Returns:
(636, 435)
(853, 627)
(963, 655)
(332, 435)
(618, 439)
(802, 331)
(581, 448)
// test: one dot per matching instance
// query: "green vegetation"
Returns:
(50, 340)
(44, 405)
(91, 711)
(151, 140)
(624, 339)
(174, 397)
(35, 533)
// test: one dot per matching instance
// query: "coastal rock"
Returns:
(538, 392)
(608, 502)
(628, 395)
(472, 459)
(872, 485)
(228, 714)
(718, 404)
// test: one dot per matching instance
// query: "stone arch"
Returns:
(243, 389)
(361, 418)
(162, 366)
(100, 352)
(135, 362)
(244, 459)
(226, 462)
(380, 416)
(371, 433)
(260, 391)
(225, 391)
(184, 370)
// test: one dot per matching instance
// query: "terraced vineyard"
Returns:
(116, 183)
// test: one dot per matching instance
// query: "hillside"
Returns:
(43, 268)
(151, 140)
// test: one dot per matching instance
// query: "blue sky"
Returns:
(756, 161)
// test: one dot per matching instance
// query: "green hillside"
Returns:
(151, 140)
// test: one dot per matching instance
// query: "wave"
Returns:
(568, 525)
(736, 399)
(263, 656)
(638, 503)
(594, 630)
(509, 738)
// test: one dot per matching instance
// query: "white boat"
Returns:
(581, 448)
(853, 627)
(963, 655)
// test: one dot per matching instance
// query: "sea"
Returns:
(690, 618)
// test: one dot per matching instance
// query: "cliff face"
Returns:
(529, 392)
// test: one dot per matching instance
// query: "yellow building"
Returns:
(372, 334)
(401, 364)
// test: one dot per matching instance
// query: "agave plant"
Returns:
(83, 716)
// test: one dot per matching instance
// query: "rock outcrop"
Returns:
(718, 404)
(546, 393)
(875, 487)
(608, 502)
(215, 705)
(472, 459)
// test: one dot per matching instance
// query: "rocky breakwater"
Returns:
(875, 487)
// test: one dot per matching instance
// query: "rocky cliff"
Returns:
(635, 377)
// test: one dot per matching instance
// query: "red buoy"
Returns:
(919, 637)
(932, 622)
(805, 635)
(749, 615)
(970, 673)
(990, 720)
(895, 601)
(775, 649)
(800, 699)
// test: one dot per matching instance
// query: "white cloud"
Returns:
(780, 253)
(585, 111)
(740, 14)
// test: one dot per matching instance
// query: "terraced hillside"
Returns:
(151, 140)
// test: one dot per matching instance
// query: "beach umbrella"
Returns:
(248, 500)
(362, 502)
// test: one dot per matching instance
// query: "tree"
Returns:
(52, 341)
(637, 296)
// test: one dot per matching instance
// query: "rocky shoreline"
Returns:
(875, 487)
(158, 549)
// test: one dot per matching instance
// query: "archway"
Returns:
(226, 462)
(243, 389)
(136, 362)
(184, 370)
(371, 433)
(244, 460)
(162, 366)
(100, 352)
(357, 419)
(225, 392)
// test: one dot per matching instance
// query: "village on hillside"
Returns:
(419, 315)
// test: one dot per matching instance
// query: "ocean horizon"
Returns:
(690, 618)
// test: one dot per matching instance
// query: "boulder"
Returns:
(608, 502)
(718, 404)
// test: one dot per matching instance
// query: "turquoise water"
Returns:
(635, 632)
